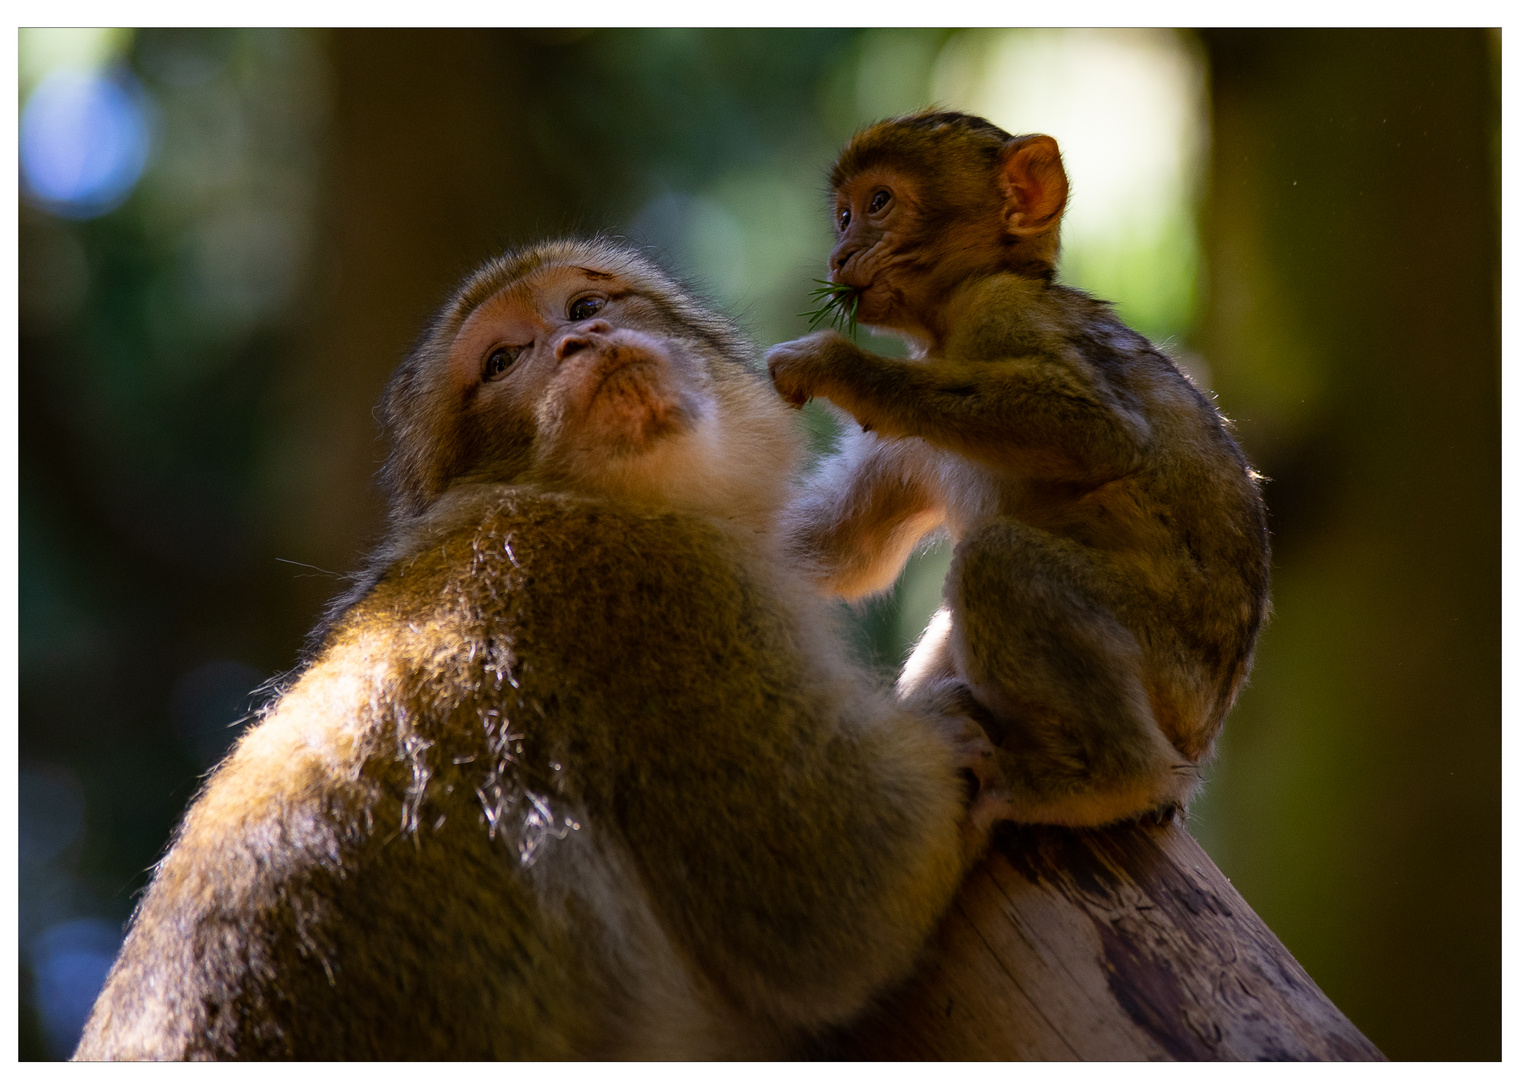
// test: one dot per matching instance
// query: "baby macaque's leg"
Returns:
(1033, 635)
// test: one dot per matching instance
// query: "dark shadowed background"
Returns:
(228, 239)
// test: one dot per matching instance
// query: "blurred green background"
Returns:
(229, 238)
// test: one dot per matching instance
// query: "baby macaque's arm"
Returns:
(1045, 414)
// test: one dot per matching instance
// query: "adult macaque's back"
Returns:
(577, 770)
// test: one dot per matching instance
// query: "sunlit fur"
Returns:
(1111, 563)
(579, 769)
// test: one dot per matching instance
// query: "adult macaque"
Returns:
(1111, 564)
(578, 770)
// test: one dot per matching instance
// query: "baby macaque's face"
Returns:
(875, 219)
(581, 359)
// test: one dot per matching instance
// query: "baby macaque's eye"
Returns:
(501, 360)
(843, 220)
(584, 308)
(879, 200)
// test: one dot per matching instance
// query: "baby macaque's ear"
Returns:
(1036, 184)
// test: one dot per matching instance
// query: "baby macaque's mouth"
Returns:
(846, 281)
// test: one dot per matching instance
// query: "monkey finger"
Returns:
(991, 807)
(975, 755)
(791, 396)
(788, 388)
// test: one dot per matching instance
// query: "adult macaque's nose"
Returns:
(579, 337)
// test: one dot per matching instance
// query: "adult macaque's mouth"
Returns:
(626, 369)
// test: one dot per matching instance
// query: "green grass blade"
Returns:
(836, 305)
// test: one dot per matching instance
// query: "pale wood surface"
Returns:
(1114, 944)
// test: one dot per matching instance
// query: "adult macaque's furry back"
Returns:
(579, 770)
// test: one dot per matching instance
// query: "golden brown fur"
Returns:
(578, 770)
(1111, 564)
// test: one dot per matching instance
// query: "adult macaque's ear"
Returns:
(1036, 185)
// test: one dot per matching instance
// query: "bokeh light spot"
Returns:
(71, 960)
(84, 142)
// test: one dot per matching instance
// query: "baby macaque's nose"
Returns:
(580, 337)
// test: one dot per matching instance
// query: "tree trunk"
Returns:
(1124, 943)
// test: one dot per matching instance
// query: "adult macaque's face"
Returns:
(584, 369)
(576, 354)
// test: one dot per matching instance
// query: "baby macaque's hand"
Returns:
(798, 368)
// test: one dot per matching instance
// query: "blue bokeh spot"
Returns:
(70, 961)
(84, 141)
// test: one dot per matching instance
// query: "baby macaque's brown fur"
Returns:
(578, 770)
(1111, 564)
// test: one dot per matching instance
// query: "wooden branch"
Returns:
(1125, 943)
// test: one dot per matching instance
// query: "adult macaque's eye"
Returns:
(843, 220)
(501, 360)
(584, 308)
(879, 200)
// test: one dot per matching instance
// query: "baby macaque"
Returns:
(578, 770)
(1111, 562)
